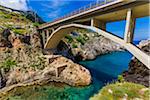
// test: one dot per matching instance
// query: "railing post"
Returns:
(130, 25)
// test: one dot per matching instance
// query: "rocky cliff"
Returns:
(31, 15)
(86, 45)
(20, 22)
(22, 60)
(98, 46)
(138, 72)
(24, 63)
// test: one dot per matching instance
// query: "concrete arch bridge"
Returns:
(95, 19)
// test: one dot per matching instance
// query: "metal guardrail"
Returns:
(83, 9)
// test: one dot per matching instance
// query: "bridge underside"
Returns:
(118, 15)
(138, 11)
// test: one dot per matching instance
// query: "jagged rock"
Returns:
(62, 49)
(97, 46)
(24, 63)
(86, 44)
(60, 70)
(36, 41)
(137, 71)
(4, 41)
(71, 73)
(2, 80)
(31, 65)
(33, 17)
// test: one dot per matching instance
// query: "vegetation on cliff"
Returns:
(123, 91)
(21, 57)
(18, 22)
(86, 44)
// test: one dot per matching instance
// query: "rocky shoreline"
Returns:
(138, 72)
(24, 63)
(98, 46)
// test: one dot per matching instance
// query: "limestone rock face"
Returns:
(98, 46)
(25, 63)
(71, 73)
(58, 69)
(35, 40)
(4, 41)
(8, 39)
(137, 71)
(2, 80)
(62, 49)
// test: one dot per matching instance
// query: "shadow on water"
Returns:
(101, 76)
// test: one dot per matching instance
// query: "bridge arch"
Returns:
(60, 32)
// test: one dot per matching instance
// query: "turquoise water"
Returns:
(104, 69)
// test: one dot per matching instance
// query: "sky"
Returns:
(52, 9)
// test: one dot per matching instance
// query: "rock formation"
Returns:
(25, 63)
(21, 57)
(59, 69)
(97, 46)
(86, 45)
(138, 72)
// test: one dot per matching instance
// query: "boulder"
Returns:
(60, 69)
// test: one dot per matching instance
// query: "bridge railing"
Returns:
(83, 9)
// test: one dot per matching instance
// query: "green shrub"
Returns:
(74, 45)
(9, 26)
(85, 37)
(19, 31)
(14, 14)
(8, 16)
(8, 63)
(81, 40)
(38, 63)
(120, 78)
(69, 38)
(36, 24)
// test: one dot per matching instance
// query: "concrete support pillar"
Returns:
(98, 24)
(43, 36)
(130, 25)
(53, 30)
(47, 34)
